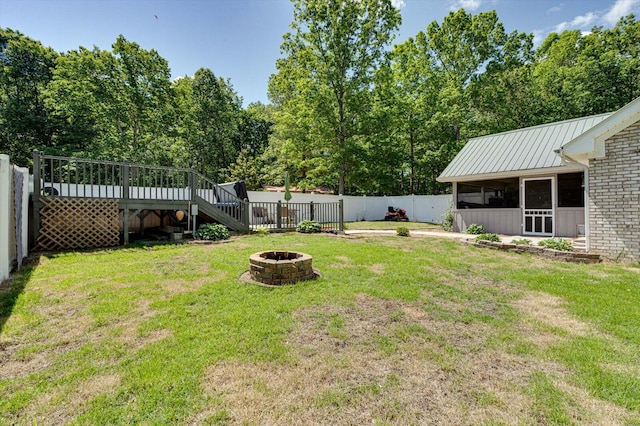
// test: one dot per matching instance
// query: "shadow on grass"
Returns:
(11, 288)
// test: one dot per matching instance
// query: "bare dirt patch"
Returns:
(548, 310)
(380, 360)
(61, 405)
(377, 268)
(598, 412)
(342, 262)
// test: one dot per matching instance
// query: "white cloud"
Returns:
(180, 77)
(604, 17)
(581, 21)
(584, 20)
(560, 27)
(619, 9)
(538, 37)
(468, 5)
(555, 9)
(398, 4)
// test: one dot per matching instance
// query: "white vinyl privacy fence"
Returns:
(14, 219)
(420, 208)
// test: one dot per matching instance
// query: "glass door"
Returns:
(538, 206)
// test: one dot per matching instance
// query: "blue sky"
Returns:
(240, 39)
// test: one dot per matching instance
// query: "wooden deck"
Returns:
(141, 190)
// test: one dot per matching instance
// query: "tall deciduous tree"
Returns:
(121, 100)
(416, 83)
(332, 54)
(25, 71)
(434, 74)
(216, 109)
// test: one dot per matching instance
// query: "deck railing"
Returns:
(217, 196)
(78, 177)
(283, 216)
(83, 178)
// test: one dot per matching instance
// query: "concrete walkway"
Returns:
(445, 234)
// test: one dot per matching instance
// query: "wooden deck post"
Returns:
(192, 186)
(125, 196)
(244, 205)
(279, 215)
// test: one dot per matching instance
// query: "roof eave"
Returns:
(591, 142)
(568, 168)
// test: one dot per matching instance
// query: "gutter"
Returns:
(568, 160)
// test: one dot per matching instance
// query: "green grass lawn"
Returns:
(395, 331)
(391, 225)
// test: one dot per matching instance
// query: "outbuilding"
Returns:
(565, 179)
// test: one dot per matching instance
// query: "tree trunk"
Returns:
(412, 145)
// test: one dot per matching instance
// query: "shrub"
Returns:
(309, 227)
(488, 237)
(262, 230)
(447, 219)
(522, 241)
(557, 244)
(212, 232)
(402, 231)
(475, 229)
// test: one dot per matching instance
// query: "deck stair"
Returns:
(139, 188)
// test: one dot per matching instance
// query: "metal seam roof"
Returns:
(531, 148)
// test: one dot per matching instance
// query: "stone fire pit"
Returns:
(281, 267)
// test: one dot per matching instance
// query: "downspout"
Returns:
(587, 227)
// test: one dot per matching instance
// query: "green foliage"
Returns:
(488, 237)
(216, 110)
(248, 169)
(522, 241)
(557, 244)
(447, 219)
(262, 231)
(475, 229)
(402, 231)
(25, 72)
(309, 227)
(347, 112)
(322, 84)
(212, 232)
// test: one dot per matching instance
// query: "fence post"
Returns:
(245, 212)
(125, 180)
(125, 206)
(5, 209)
(279, 215)
(341, 214)
(192, 185)
(37, 193)
(25, 213)
(311, 211)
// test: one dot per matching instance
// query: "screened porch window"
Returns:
(499, 193)
(571, 190)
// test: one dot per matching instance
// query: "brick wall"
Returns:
(614, 198)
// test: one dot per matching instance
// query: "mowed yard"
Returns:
(396, 331)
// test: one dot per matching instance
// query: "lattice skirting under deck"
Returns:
(68, 223)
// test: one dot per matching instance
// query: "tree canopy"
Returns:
(349, 110)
